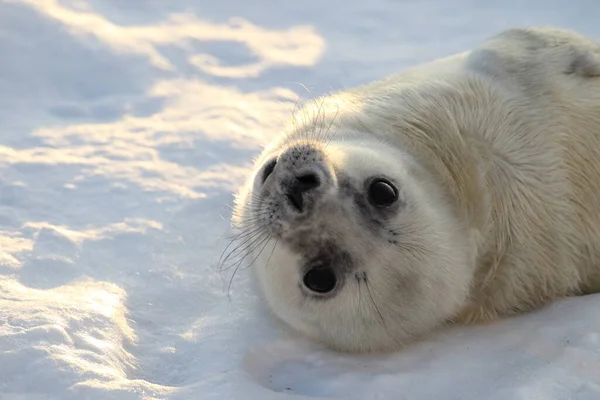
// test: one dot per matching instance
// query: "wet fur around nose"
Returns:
(323, 238)
(341, 228)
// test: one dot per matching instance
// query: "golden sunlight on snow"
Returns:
(299, 45)
(11, 244)
(192, 110)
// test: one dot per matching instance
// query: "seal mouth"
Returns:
(320, 279)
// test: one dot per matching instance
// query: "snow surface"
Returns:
(124, 127)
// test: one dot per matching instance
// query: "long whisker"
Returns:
(255, 244)
(384, 325)
(265, 241)
(272, 251)
(373, 300)
(244, 247)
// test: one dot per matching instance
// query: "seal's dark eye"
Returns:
(382, 193)
(268, 170)
(320, 279)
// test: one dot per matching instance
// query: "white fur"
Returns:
(498, 154)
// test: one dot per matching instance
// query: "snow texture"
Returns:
(124, 128)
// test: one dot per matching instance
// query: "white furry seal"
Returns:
(462, 190)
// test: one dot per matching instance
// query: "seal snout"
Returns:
(300, 185)
(297, 179)
(302, 188)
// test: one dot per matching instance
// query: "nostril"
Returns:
(268, 170)
(300, 185)
(307, 181)
(295, 199)
(320, 279)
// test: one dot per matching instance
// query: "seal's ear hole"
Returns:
(268, 170)
(382, 193)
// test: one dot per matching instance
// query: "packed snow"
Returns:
(125, 126)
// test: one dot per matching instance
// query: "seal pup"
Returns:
(462, 190)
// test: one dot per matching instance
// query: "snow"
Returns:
(124, 128)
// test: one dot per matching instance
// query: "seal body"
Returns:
(462, 190)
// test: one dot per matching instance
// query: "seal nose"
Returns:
(301, 183)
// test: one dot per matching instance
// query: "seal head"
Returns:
(362, 252)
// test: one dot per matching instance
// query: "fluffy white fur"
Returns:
(498, 155)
